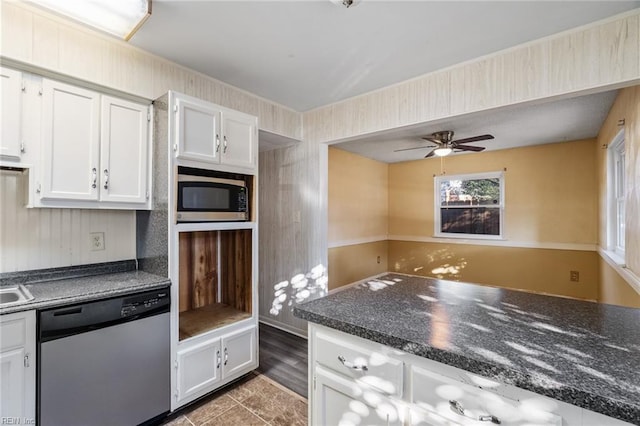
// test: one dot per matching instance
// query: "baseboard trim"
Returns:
(632, 279)
(283, 327)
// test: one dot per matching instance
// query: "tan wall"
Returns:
(353, 263)
(627, 107)
(550, 192)
(358, 197)
(534, 270)
(358, 210)
(614, 290)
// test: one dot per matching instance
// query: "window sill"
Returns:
(462, 237)
(615, 257)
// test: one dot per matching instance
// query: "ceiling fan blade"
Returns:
(469, 148)
(430, 154)
(436, 141)
(474, 139)
(410, 149)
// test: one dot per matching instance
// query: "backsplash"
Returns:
(48, 238)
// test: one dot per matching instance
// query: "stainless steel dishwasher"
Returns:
(105, 362)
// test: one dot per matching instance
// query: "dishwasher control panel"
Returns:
(138, 304)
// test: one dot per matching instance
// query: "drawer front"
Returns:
(364, 364)
(463, 404)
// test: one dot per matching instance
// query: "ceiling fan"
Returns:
(445, 145)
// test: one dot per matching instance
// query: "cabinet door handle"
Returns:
(226, 356)
(26, 360)
(106, 179)
(457, 408)
(351, 365)
(94, 173)
(224, 151)
(218, 360)
(217, 143)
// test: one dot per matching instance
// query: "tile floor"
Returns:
(255, 400)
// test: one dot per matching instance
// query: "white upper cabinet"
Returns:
(71, 138)
(95, 150)
(209, 134)
(198, 130)
(239, 140)
(123, 151)
(10, 115)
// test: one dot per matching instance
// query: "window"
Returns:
(616, 195)
(469, 206)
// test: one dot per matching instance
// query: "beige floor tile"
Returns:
(178, 421)
(254, 385)
(237, 416)
(210, 409)
(270, 402)
(295, 415)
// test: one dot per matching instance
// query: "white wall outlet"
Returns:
(97, 241)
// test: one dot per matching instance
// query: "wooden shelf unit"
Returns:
(215, 282)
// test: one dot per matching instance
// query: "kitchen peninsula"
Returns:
(430, 334)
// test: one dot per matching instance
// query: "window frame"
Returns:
(468, 176)
(616, 193)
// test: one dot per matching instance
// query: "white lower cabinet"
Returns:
(358, 382)
(340, 401)
(18, 367)
(205, 366)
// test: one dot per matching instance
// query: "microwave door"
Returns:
(211, 201)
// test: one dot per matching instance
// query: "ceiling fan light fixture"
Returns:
(442, 152)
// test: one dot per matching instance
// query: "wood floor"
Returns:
(283, 358)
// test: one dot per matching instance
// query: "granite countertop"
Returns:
(64, 286)
(583, 353)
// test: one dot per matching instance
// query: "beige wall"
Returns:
(358, 217)
(535, 270)
(613, 288)
(549, 192)
(358, 197)
(352, 263)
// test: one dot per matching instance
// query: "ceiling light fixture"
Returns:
(121, 18)
(346, 3)
(442, 152)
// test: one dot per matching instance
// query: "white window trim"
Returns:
(470, 176)
(612, 250)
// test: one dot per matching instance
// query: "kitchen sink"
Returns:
(14, 294)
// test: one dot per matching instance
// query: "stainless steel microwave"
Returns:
(206, 196)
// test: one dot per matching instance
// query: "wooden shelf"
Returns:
(200, 320)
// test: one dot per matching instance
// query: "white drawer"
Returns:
(440, 395)
(361, 362)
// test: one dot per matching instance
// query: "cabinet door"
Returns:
(198, 369)
(340, 401)
(10, 115)
(198, 131)
(239, 141)
(17, 366)
(123, 151)
(239, 352)
(71, 136)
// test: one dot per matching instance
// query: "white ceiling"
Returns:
(309, 53)
(305, 54)
(558, 121)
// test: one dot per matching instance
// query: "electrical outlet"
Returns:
(574, 276)
(97, 241)
(378, 260)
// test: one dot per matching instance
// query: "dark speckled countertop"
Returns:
(65, 286)
(583, 353)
